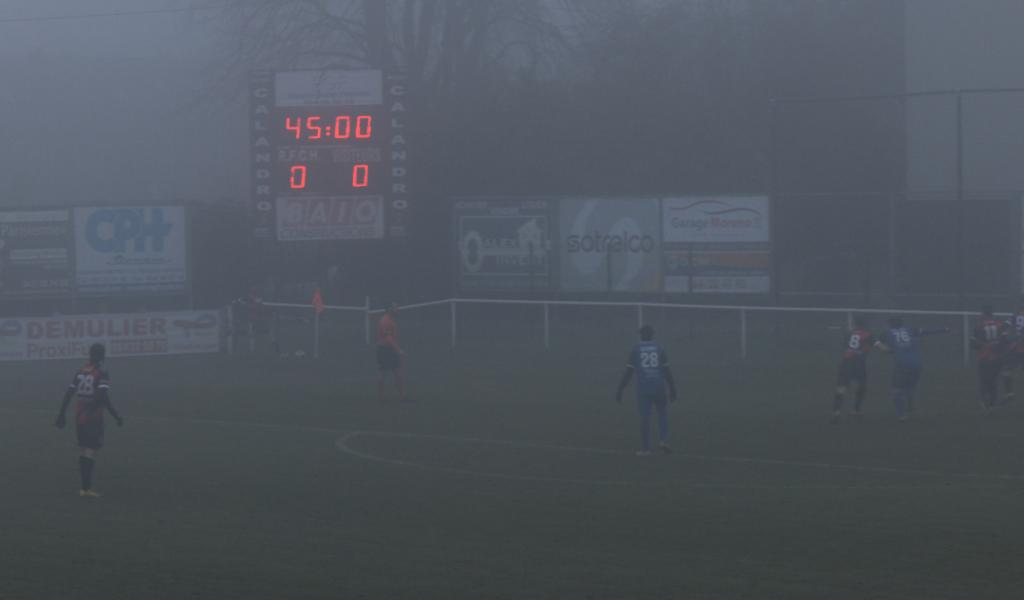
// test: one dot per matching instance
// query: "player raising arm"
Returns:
(991, 340)
(653, 375)
(91, 388)
(853, 368)
(901, 341)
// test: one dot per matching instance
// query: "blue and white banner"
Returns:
(131, 249)
(611, 245)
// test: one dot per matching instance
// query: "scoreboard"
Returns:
(329, 155)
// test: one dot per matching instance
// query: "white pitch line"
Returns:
(348, 434)
(343, 445)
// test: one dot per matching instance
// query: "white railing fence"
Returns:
(736, 330)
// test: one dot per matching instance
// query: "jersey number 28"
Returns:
(649, 360)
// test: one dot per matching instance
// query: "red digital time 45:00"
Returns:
(341, 127)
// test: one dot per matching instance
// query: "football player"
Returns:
(91, 390)
(653, 378)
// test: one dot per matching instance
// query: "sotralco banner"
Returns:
(135, 334)
(610, 245)
(122, 249)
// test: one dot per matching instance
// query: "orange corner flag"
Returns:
(318, 302)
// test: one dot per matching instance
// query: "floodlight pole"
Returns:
(960, 209)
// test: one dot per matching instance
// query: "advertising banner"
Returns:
(717, 244)
(610, 245)
(503, 245)
(718, 270)
(339, 218)
(716, 219)
(341, 87)
(136, 334)
(35, 253)
(139, 249)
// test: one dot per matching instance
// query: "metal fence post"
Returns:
(639, 316)
(547, 326)
(967, 340)
(743, 333)
(252, 337)
(849, 320)
(316, 333)
(453, 303)
(229, 327)
(366, 320)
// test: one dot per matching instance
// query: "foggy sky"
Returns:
(92, 109)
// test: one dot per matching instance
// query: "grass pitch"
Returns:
(512, 475)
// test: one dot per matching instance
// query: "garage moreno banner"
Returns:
(135, 334)
(716, 219)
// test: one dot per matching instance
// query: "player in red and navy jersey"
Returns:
(991, 340)
(91, 390)
(853, 368)
(1014, 357)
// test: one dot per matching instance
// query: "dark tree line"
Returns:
(540, 97)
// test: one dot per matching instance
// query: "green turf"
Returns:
(227, 481)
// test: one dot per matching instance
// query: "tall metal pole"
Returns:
(773, 196)
(376, 14)
(960, 209)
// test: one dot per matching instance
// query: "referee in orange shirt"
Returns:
(389, 353)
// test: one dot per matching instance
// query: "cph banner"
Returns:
(136, 334)
(131, 249)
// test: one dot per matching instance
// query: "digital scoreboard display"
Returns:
(330, 155)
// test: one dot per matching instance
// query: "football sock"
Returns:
(662, 422)
(645, 431)
(837, 402)
(900, 401)
(85, 465)
(859, 401)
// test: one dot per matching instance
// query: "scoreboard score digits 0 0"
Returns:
(329, 155)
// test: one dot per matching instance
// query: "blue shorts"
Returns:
(906, 376)
(645, 402)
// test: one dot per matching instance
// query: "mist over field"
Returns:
(511, 298)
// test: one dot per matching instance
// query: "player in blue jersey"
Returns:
(901, 341)
(653, 378)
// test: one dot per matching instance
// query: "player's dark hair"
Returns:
(860, 323)
(895, 322)
(646, 333)
(97, 352)
(986, 310)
